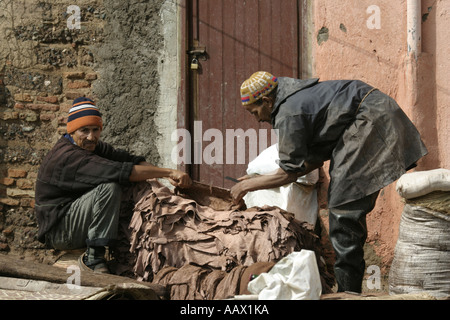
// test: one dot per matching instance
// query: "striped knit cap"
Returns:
(258, 85)
(83, 113)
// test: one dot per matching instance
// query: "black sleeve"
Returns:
(82, 170)
(107, 151)
(294, 134)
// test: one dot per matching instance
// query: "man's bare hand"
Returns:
(248, 183)
(238, 191)
(179, 179)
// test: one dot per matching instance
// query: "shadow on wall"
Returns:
(127, 90)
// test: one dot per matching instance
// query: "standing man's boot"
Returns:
(348, 234)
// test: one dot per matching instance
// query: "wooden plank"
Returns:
(200, 103)
(241, 37)
(252, 59)
(230, 84)
(269, 35)
(377, 296)
(289, 38)
(17, 268)
(183, 112)
(213, 172)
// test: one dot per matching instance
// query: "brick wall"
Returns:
(114, 58)
(45, 68)
(29, 128)
(32, 113)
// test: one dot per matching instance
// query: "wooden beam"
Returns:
(17, 268)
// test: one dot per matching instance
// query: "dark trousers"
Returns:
(348, 233)
(92, 221)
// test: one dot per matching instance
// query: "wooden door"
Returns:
(226, 41)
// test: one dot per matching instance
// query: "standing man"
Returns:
(78, 188)
(368, 138)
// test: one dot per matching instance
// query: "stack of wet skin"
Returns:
(195, 249)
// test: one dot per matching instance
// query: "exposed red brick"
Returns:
(73, 75)
(19, 106)
(9, 201)
(43, 107)
(7, 181)
(52, 99)
(78, 85)
(17, 173)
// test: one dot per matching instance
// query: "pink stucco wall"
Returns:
(350, 43)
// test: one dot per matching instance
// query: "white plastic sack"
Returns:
(266, 162)
(295, 277)
(419, 183)
(301, 200)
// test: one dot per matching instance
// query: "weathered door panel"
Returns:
(240, 37)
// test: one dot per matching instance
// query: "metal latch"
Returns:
(198, 52)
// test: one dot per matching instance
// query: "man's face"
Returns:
(87, 137)
(263, 111)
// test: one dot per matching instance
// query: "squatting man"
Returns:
(368, 139)
(79, 185)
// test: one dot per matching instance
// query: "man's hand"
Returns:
(238, 191)
(179, 179)
(145, 171)
(274, 179)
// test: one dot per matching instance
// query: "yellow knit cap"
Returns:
(260, 84)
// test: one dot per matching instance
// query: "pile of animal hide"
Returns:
(202, 251)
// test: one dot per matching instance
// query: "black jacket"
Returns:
(370, 142)
(68, 171)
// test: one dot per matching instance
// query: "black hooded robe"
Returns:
(368, 138)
